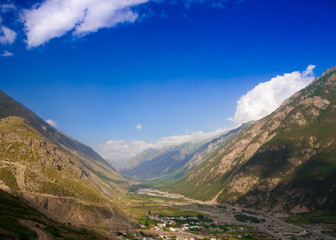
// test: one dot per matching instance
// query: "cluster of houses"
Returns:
(187, 224)
(156, 227)
(175, 224)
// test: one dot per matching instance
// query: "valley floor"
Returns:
(162, 215)
(165, 215)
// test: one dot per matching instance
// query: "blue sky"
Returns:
(175, 67)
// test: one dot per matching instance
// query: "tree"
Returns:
(147, 223)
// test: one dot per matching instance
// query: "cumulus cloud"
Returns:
(139, 126)
(7, 35)
(6, 54)
(54, 18)
(267, 97)
(121, 150)
(52, 122)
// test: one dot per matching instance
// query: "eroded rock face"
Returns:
(316, 101)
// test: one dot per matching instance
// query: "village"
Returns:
(194, 227)
(162, 215)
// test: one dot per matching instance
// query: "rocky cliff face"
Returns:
(54, 173)
(285, 161)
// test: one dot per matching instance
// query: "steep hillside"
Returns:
(285, 161)
(54, 173)
(10, 107)
(209, 148)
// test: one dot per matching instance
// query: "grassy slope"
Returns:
(45, 178)
(55, 181)
(208, 189)
(92, 160)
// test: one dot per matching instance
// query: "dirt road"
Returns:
(41, 235)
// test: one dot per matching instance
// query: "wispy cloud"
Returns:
(121, 150)
(52, 122)
(7, 7)
(6, 54)
(212, 3)
(267, 97)
(7, 35)
(139, 126)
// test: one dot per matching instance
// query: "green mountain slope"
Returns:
(61, 177)
(285, 161)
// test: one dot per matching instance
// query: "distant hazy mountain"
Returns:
(55, 173)
(171, 162)
(285, 161)
(159, 163)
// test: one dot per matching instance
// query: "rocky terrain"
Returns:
(61, 177)
(283, 162)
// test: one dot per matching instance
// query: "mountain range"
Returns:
(282, 162)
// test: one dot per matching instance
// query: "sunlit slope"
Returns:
(285, 161)
(55, 177)
(10, 107)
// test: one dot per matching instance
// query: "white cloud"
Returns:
(121, 150)
(267, 97)
(6, 54)
(54, 18)
(139, 126)
(7, 36)
(192, 138)
(52, 122)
